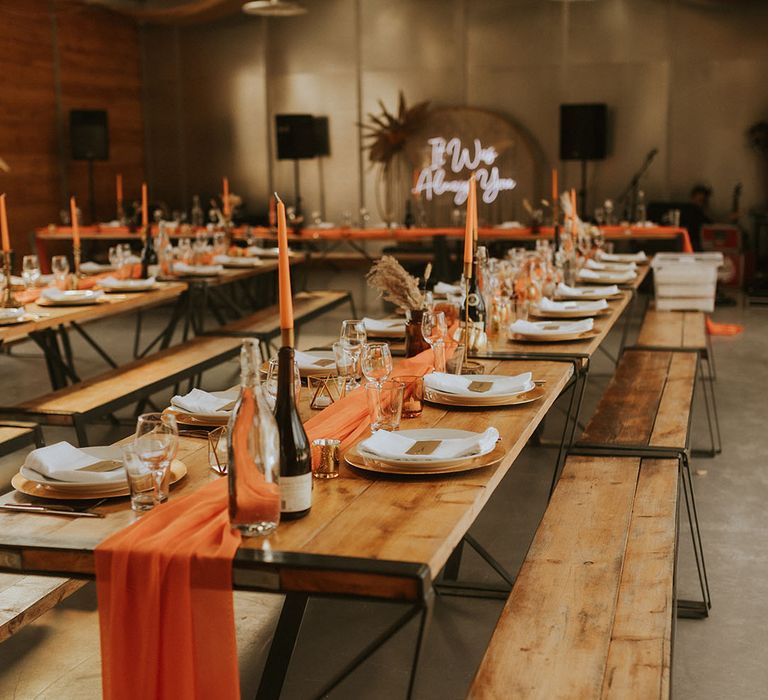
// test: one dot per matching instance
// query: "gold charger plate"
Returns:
(32, 488)
(184, 418)
(590, 297)
(555, 337)
(573, 313)
(438, 397)
(354, 458)
(606, 280)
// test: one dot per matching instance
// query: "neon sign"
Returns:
(451, 157)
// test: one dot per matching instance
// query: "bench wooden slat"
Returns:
(266, 322)
(627, 410)
(552, 638)
(640, 652)
(24, 598)
(133, 377)
(673, 329)
(673, 417)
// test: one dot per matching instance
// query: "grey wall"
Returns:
(686, 76)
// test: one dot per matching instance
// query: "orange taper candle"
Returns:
(574, 210)
(284, 270)
(475, 227)
(119, 188)
(468, 232)
(75, 222)
(144, 212)
(225, 197)
(4, 225)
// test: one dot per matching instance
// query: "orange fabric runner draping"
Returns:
(165, 583)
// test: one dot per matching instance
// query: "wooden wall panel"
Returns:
(99, 68)
(28, 116)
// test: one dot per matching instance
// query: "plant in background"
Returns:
(394, 284)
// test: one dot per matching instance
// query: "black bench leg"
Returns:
(352, 307)
(38, 436)
(137, 334)
(283, 644)
(708, 390)
(80, 431)
(452, 566)
(701, 608)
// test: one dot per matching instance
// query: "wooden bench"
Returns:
(686, 330)
(591, 611)
(16, 434)
(265, 323)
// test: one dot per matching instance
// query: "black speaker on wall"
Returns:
(295, 136)
(89, 134)
(322, 140)
(583, 131)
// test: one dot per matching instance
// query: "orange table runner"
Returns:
(165, 583)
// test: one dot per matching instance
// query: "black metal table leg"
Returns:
(283, 644)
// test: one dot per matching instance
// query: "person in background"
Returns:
(696, 216)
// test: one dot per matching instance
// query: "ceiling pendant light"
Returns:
(274, 8)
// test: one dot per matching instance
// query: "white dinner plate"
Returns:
(477, 394)
(71, 297)
(428, 434)
(105, 452)
(129, 286)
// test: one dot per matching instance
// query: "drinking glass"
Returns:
(271, 382)
(353, 333)
(220, 243)
(385, 404)
(156, 442)
(140, 482)
(347, 364)
(115, 256)
(413, 396)
(184, 251)
(30, 270)
(376, 362)
(434, 328)
(60, 269)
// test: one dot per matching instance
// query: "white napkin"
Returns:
(616, 267)
(307, 360)
(114, 283)
(258, 250)
(199, 401)
(90, 267)
(12, 313)
(564, 290)
(394, 445)
(56, 294)
(541, 328)
(181, 268)
(385, 325)
(459, 384)
(547, 304)
(622, 257)
(443, 288)
(62, 461)
(587, 274)
(239, 261)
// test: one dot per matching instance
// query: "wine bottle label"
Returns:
(295, 493)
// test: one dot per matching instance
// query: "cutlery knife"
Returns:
(45, 510)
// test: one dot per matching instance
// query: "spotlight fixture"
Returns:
(274, 8)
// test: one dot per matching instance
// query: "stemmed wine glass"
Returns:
(352, 338)
(434, 328)
(376, 362)
(271, 383)
(60, 269)
(156, 442)
(30, 270)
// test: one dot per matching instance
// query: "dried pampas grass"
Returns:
(394, 284)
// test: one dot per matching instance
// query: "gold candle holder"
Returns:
(76, 275)
(9, 298)
(467, 278)
(286, 337)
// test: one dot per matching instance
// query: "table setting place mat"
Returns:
(584, 293)
(385, 328)
(53, 296)
(184, 270)
(13, 315)
(235, 261)
(611, 266)
(570, 309)
(552, 331)
(113, 284)
(425, 451)
(205, 407)
(486, 391)
(639, 258)
(606, 276)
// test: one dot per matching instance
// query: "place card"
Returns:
(324, 362)
(479, 386)
(423, 447)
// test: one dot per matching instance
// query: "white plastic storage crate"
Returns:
(686, 281)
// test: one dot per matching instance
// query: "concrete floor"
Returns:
(721, 657)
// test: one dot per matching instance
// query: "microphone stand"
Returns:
(634, 184)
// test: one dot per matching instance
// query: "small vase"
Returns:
(414, 340)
